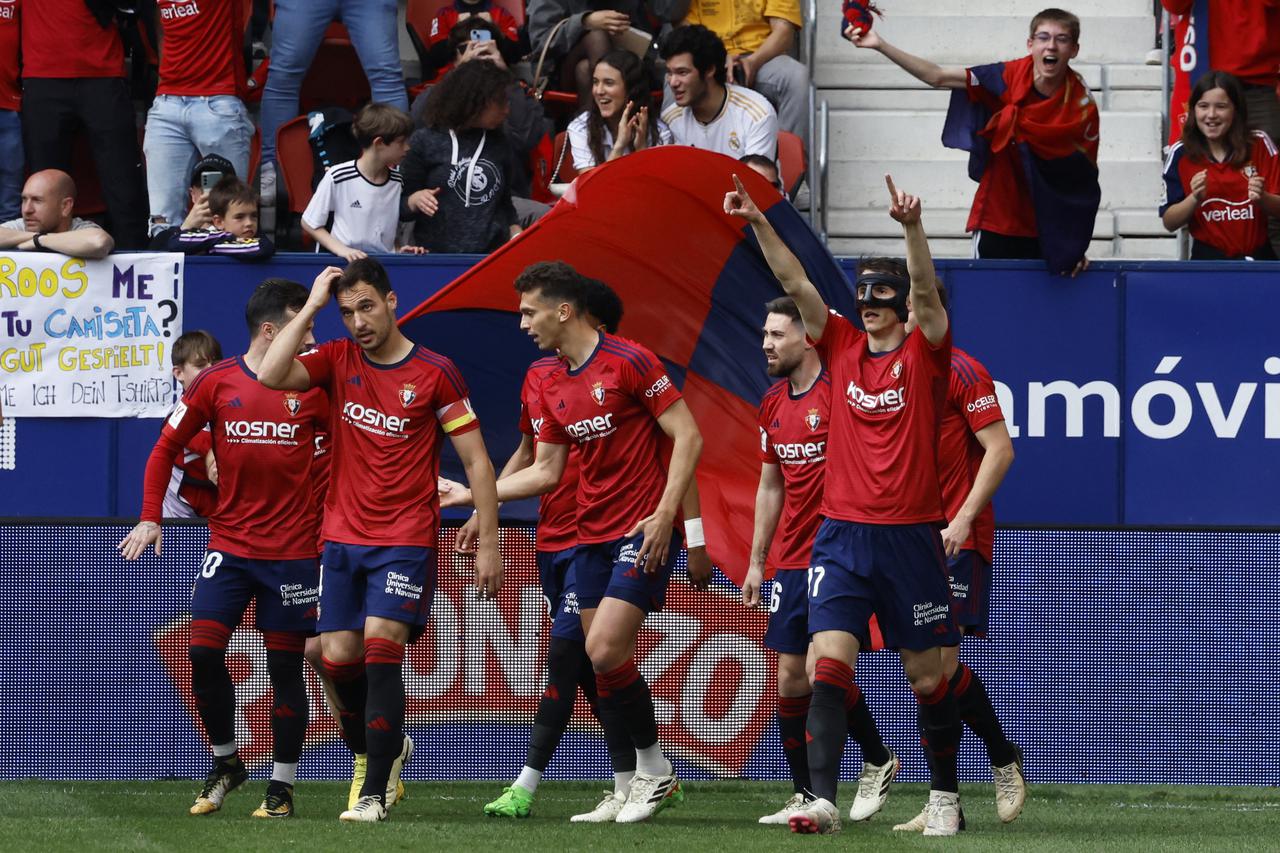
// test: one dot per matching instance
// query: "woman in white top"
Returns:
(621, 118)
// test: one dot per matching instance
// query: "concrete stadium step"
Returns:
(939, 224)
(941, 248)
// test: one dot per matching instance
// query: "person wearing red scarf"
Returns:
(1031, 128)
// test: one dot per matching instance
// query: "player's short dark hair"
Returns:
(196, 345)
(228, 191)
(271, 301)
(602, 302)
(555, 281)
(380, 121)
(1058, 16)
(889, 266)
(705, 48)
(462, 95)
(1238, 142)
(786, 306)
(367, 271)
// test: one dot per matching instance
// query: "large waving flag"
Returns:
(694, 285)
(1056, 138)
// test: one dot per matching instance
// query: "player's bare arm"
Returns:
(280, 368)
(997, 456)
(929, 73)
(925, 304)
(678, 424)
(538, 479)
(146, 533)
(520, 459)
(769, 496)
(484, 492)
(785, 265)
(699, 560)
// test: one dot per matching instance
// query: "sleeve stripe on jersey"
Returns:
(964, 370)
(638, 359)
(445, 366)
(1175, 153)
(220, 367)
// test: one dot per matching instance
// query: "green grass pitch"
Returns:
(717, 816)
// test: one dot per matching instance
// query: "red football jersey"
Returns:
(264, 441)
(793, 436)
(884, 427)
(10, 55)
(202, 50)
(971, 405)
(1226, 219)
(609, 408)
(1244, 37)
(61, 39)
(558, 510)
(387, 422)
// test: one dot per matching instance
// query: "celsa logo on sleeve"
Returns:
(658, 387)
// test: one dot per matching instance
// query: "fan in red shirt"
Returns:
(878, 549)
(495, 22)
(392, 403)
(613, 400)
(262, 539)
(793, 419)
(1222, 181)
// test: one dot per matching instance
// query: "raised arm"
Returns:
(678, 424)
(475, 461)
(929, 73)
(769, 495)
(786, 266)
(280, 368)
(925, 303)
(997, 456)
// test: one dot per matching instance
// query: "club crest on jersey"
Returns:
(292, 404)
(812, 420)
(597, 393)
(407, 395)
(896, 370)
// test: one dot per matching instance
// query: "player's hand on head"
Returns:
(903, 207)
(751, 587)
(143, 534)
(738, 203)
(700, 569)
(322, 287)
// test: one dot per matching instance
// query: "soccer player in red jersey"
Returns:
(392, 401)
(262, 541)
(974, 454)
(613, 400)
(878, 549)
(793, 421)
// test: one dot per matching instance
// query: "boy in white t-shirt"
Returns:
(363, 195)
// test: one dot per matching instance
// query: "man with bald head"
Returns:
(47, 225)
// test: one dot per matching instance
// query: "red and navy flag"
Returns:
(694, 285)
(1190, 62)
(1057, 142)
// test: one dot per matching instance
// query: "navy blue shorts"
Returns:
(609, 570)
(559, 591)
(390, 581)
(788, 631)
(896, 571)
(287, 592)
(970, 592)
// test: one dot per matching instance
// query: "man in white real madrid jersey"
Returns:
(710, 113)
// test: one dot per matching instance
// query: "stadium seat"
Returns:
(296, 169)
(791, 161)
(567, 172)
(417, 20)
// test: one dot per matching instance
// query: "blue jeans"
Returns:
(180, 131)
(11, 161)
(296, 35)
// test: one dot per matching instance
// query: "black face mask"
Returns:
(901, 287)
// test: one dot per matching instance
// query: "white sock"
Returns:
(622, 782)
(652, 762)
(285, 773)
(224, 750)
(529, 779)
